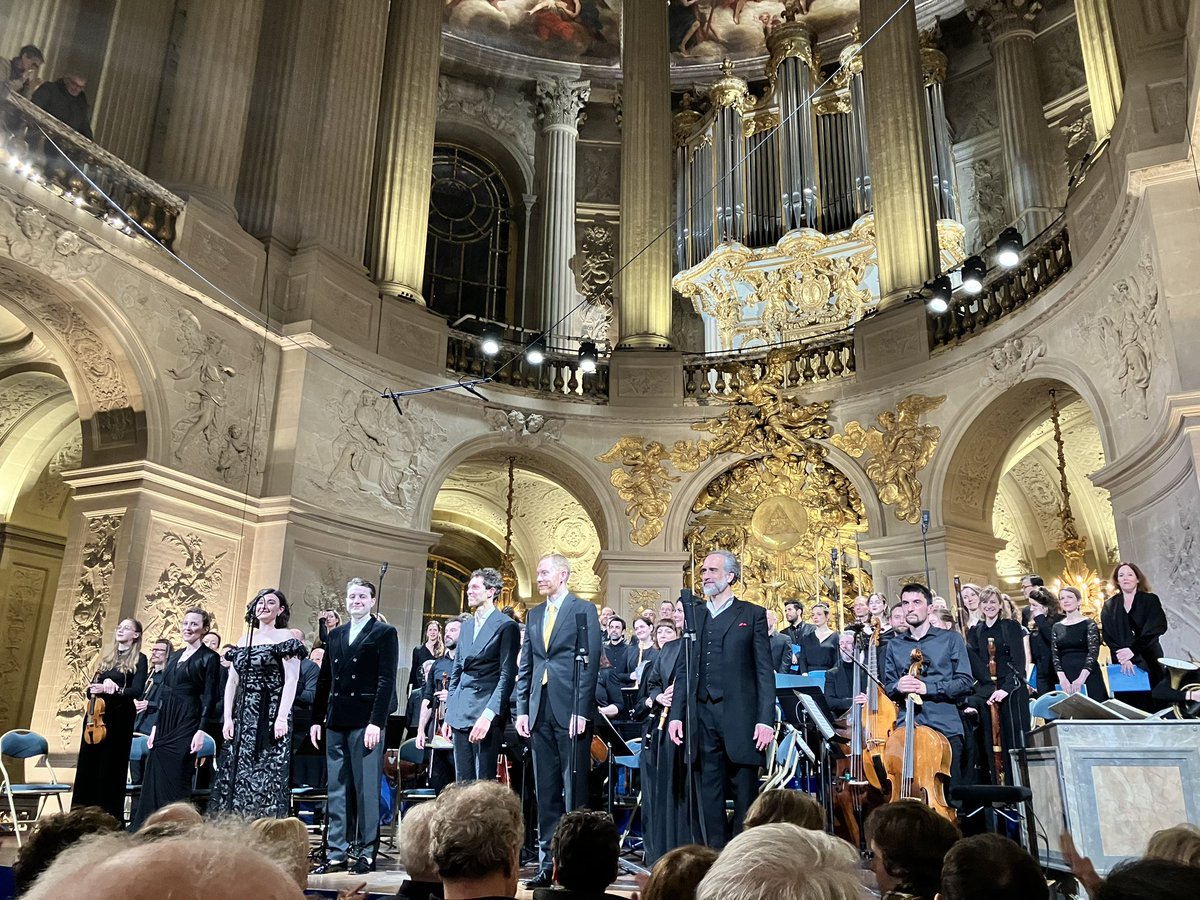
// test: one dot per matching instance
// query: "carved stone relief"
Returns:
(324, 590)
(599, 174)
(971, 103)
(1008, 362)
(507, 113)
(987, 202)
(1042, 493)
(25, 588)
(89, 607)
(1059, 61)
(1168, 105)
(190, 579)
(43, 245)
(530, 429)
(1175, 574)
(1011, 560)
(593, 266)
(51, 490)
(22, 392)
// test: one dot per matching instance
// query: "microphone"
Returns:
(581, 647)
(924, 521)
(382, 570)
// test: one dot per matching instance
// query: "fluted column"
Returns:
(202, 152)
(1037, 182)
(898, 133)
(404, 148)
(560, 105)
(47, 24)
(644, 287)
(1098, 38)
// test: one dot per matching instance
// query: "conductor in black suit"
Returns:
(485, 669)
(558, 719)
(733, 698)
(356, 692)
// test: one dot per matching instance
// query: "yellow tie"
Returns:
(547, 628)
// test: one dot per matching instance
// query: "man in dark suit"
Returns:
(732, 701)
(839, 681)
(356, 692)
(485, 670)
(552, 709)
(781, 646)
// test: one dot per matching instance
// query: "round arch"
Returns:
(514, 164)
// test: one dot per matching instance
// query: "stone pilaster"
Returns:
(202, 153)
(1098, 38)
(637, 579)
(644, 287)
(404, 148)
(1037, 180)
(560, 105)
(902, 181)
(47, 24)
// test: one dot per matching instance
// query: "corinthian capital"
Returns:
(998, 18)
(561, 100)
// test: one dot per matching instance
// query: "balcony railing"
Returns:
(1043, 264)
(558, 375)
(717, 377)
(25, 149)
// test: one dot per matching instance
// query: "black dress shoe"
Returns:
(363, 865)
(333, 865)
(543, 878)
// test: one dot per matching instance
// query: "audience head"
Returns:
(1012, 874)
(782, 862)
(795, 807)
(1150, 879)
(678, 872)
(181, 813)
(909, 841)
(415, 845)
(1180, 844)
(476, 836)
(585, 849)
(286, 842)
(55, 833)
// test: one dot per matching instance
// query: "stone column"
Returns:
(47, 24)
(202, 153)
(404, 148)
(897, 127)
(560, 105)
(644, 287)
(126, 92)
(1098, 38)
(1037, 181)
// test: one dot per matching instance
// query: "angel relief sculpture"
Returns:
(643, 482)
(900, 447)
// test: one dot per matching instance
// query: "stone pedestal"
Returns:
(891, 341)
(209, 240)
(637, 580)
(645, 378)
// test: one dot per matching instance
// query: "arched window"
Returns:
(469, 258)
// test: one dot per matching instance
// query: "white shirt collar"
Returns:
(357, 627)
(479, 622)
(714, 611)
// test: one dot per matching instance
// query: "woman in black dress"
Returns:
(1044, 611)
(430, 650)
(1008, 690)
(252, 779)
(1132, 621)
(820, 645)
(120, 679)
(1075, 646)
(185, 718)
(664, 809)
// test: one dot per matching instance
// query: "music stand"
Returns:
(811, 699)
(616, 747)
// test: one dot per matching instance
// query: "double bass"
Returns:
(917, 757)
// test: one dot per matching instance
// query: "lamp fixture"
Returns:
(939, 294)
(1008, 247)
(588, 356)
(974, 269)
(535, 353)
(489, 341)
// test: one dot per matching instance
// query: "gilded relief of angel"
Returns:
(642, 483)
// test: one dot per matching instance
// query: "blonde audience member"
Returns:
(783, 862)
(795, 807)
(1179, 844)
(288, 843)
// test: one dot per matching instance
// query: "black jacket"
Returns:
(71, 111)
(357, 685)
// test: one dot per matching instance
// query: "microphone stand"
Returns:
(580, 666)
(925, 545)
(383, 567)
(689, 725)
(239, 706)
(1022, 754)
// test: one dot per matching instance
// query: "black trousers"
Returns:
(720, 778)
(477, 762)
(552, 750)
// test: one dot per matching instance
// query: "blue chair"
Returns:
(137, 753)
(1040, 707)
(206, 753)
(21, 743)
(624, 769)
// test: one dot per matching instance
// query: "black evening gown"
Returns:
(1075, 648)
(188, 695)
(665, 824)
(820, 656)
(252, 778)
(100, 773)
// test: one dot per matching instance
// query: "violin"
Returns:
(94, 729)
(879, 716)
(917, 757)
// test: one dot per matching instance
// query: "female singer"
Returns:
(970, 602)
(1132, 621)
(1044, 612)
(430, 650)
(253, 774)
(120, 679)
(1075, 646)
(646, 646)
(660, 760)
(1009, 691)
(185, 717)
(820, 645)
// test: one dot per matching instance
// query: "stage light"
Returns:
(939, 294)
(973, 272)
(489, 341)
(1008, 247)
(535, 353)
(588, 357)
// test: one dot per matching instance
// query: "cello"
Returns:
(917, 757)
(878, 717)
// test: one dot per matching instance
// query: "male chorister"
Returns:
(435, 695)
(356, 693)
(558, 719)
(485, 670)
(733, 696)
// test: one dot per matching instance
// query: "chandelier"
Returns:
(508, 571)
(1073, 546)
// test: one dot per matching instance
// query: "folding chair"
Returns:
(20, 743)
(137, 753)
(206, 753)
(408, 796)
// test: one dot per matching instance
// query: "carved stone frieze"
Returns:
(509, 114)
(1059, 61)
(531, 429)
(987, 202)
(191, 580)
(1009, 362)
(594, 264)
(1176, 572)
(51, 490)
(26, 586)
(89, 607)
(58, 252)
(22, 392)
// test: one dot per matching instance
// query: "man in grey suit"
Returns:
(485, 670)
(356, 692)
(557, 720)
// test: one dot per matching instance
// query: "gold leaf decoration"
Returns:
(642, 481)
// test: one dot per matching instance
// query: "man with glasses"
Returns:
(147, 708)
(66, 101)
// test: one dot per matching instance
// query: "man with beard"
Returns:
(434, 698)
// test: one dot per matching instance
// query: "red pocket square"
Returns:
(743, 624)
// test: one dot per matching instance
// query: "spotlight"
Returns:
(939, 294)
(1008, 247)
(536, 352)
(588, 357)
(489, 341)
(973, 272)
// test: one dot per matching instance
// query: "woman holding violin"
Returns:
(108, 722)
